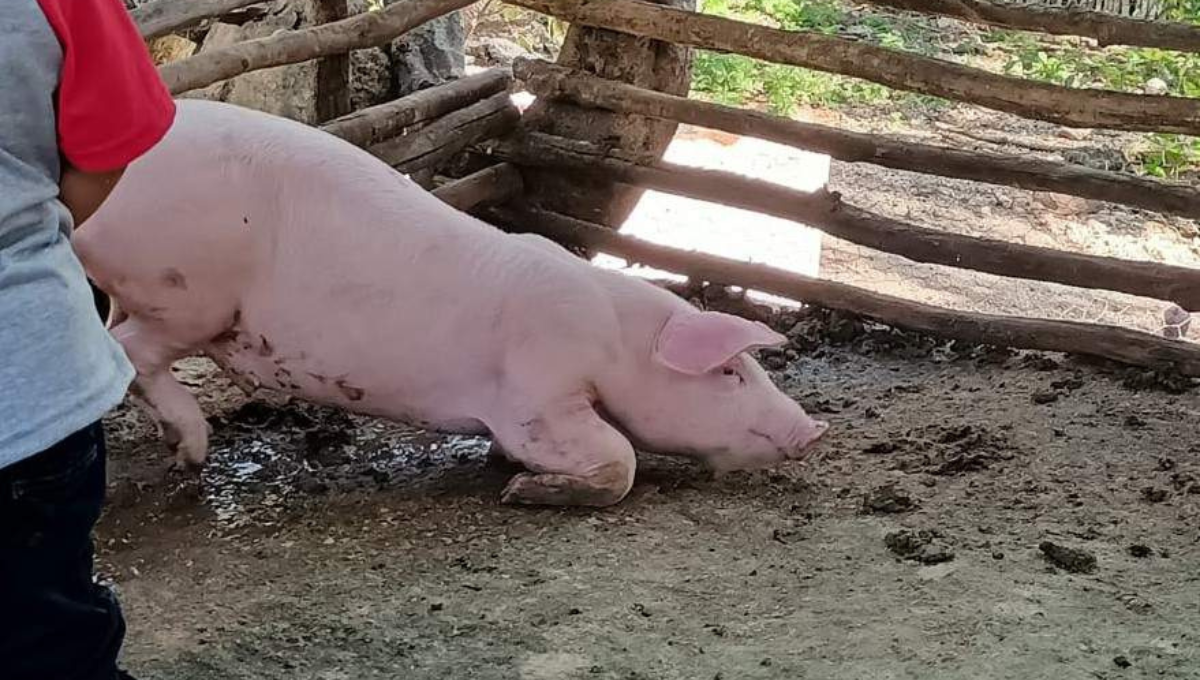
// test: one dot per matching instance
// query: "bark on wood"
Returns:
(646, 63)
(826, 211)
(1107, 342)
(440, 140)
(548, 80)
(333, 71)
(162, 17)
(1002, 139)
(1105, 29)
(377, 123)
(488, 187)
(369, 29)
(1087, 108)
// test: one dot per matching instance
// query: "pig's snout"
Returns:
(806, 437)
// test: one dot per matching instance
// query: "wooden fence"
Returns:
(422, 132)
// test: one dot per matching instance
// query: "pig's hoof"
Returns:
(603, 488)
(187, 465)
(190, 447)
(178, 469)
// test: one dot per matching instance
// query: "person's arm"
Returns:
(112, 105)
(83, 192)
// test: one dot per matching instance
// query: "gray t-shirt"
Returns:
(59, 368)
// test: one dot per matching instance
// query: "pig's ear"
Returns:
(698, 342)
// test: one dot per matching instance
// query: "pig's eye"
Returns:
(730, 372)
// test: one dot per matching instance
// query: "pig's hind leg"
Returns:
(185, 431)
(574, 456)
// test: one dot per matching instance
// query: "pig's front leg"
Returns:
(575, 458)
(185, 431)
(499, 459)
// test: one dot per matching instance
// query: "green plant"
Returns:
(1126, 69)
(727, 78)
(1168, 156)
(732, 79)
(1187, 11)
(821, 16)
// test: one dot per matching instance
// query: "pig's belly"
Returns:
(312, 371)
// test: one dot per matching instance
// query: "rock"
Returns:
(1121, 662)
(1071, 560)
(1140, 551)
(288, 91)
(888, 499)
(918, 546)
(370, 69)
(430, 55)
(1153, 494)
(1156, 86)
(370, 77)
(1097, 158)
(1176, 321)
(1135, 604)
(1044, 398)
(170, 48)
(494, 51)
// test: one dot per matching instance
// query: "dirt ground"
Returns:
(977, 513)
(324, 546)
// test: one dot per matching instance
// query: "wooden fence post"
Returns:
(646, 63)
(333, 72)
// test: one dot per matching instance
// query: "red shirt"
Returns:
(112, 105)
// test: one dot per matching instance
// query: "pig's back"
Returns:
(345, 280)
(242, 201)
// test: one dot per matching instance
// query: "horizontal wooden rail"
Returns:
(1105, 29)
(160, 17)
(1085, 108)
(1107, 342)
(438, 141)
(556, 82)
(827, 212)
(374, 124)
(369, 29)
(492, 185)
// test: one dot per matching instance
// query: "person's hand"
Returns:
(84, 192)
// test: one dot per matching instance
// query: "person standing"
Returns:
(80, 101)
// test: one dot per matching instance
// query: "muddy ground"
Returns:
(325, 546)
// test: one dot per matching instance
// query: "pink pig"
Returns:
(300, 263)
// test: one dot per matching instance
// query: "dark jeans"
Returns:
(55, 624)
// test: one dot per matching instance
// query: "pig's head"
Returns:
(700, 393)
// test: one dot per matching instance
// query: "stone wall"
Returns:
(308, 92)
